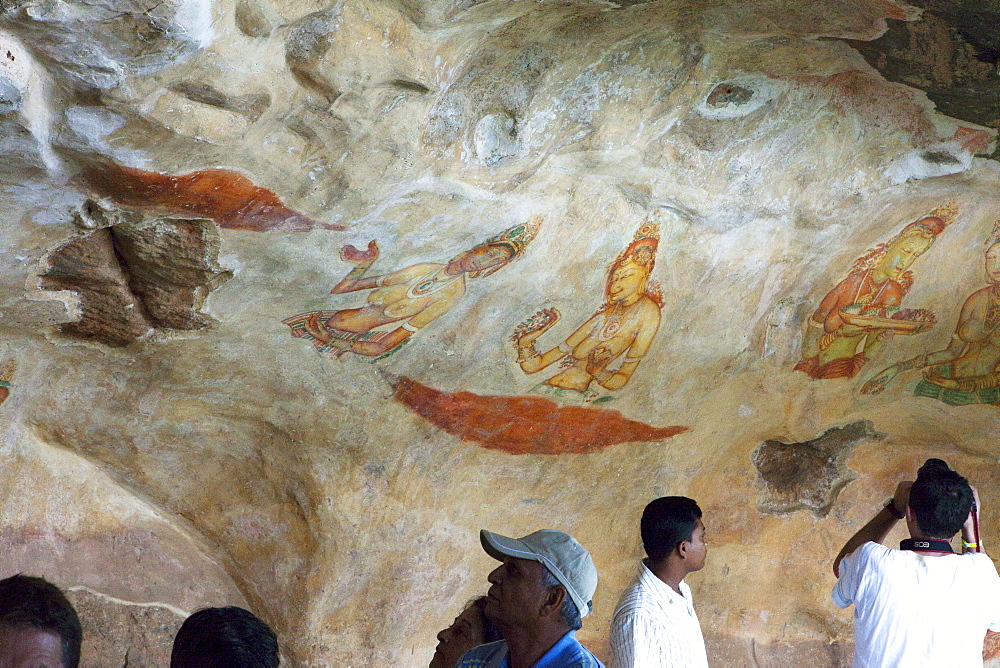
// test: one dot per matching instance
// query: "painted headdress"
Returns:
(928, 227)
(933, 223)
(515, 238)
(994, 237)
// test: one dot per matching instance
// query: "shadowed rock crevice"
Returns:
(808, 475)
(132, 280)
(951, 53)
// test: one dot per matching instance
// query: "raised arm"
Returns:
(878, 527)
(972, 540)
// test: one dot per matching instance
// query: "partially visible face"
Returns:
(464, 633)
(27, 647)
(481, 258)
(993, 264)
(698, 547)
(517, 592)
(627, 281)
(901, 255)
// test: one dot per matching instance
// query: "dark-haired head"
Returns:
(666, 522)
(33, 604)
(228, 637)
(940, 500)
(470, 629)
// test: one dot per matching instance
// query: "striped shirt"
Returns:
(567, 653)
(655, 627)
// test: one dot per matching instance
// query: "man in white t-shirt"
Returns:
(921, 605)
(654, 625)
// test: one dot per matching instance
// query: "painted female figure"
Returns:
(624, 327)
(967, 371)
(403, 301)
(836, 348)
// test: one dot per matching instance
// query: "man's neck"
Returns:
(527, 646)
(671, 571)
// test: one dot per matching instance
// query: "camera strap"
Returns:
(926, 545)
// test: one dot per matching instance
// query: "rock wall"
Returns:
(298, 296)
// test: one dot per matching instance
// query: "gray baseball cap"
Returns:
(561, 555)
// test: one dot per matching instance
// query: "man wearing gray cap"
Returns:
(540, 594)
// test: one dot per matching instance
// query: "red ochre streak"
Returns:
(523, 425)
(227, 197)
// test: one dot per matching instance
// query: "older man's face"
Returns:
(517, 593)
(28, 647)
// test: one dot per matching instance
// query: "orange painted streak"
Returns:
(524, 425)
(227, 197)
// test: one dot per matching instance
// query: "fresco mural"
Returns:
(863, 311)
(223, 195)
(524, 425)
(967, 371)
(402, 302)
(7, 371)
(623, 328)
(624, 325)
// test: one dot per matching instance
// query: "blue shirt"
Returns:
(567, 653)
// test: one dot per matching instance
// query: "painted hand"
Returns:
(879, 381)
(598, 360)
(359, 257)
(532, 328)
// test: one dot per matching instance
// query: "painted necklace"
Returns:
(431, 283)
(613, 323)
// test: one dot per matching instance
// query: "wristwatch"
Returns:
(893, 510)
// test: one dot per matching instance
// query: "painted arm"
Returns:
(877, 528)
(363, 260)
(528, 358)
(413, 325)
(956, 347)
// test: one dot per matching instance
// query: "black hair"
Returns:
(228, 637)
(941, 499)
(30, 602)
(569, 612)
(666, 522)
(491, 632)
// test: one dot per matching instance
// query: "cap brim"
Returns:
(498, 547)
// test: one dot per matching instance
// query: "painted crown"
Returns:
(946, 212)
(517, 237)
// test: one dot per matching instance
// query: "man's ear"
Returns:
(682, 549)
(553, 601)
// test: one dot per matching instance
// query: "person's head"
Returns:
(671, 526)
(547, 579)
(628, 275)
(902, 252)
(228, 637)
(470, 629)
(940, 500)
(993, 256)
(497, 251)
(38, 626)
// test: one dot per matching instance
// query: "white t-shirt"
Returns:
(916, 610)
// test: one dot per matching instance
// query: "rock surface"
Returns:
(189, 417)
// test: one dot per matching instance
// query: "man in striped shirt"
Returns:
(655, 624)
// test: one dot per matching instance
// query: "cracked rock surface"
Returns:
(185, 183)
